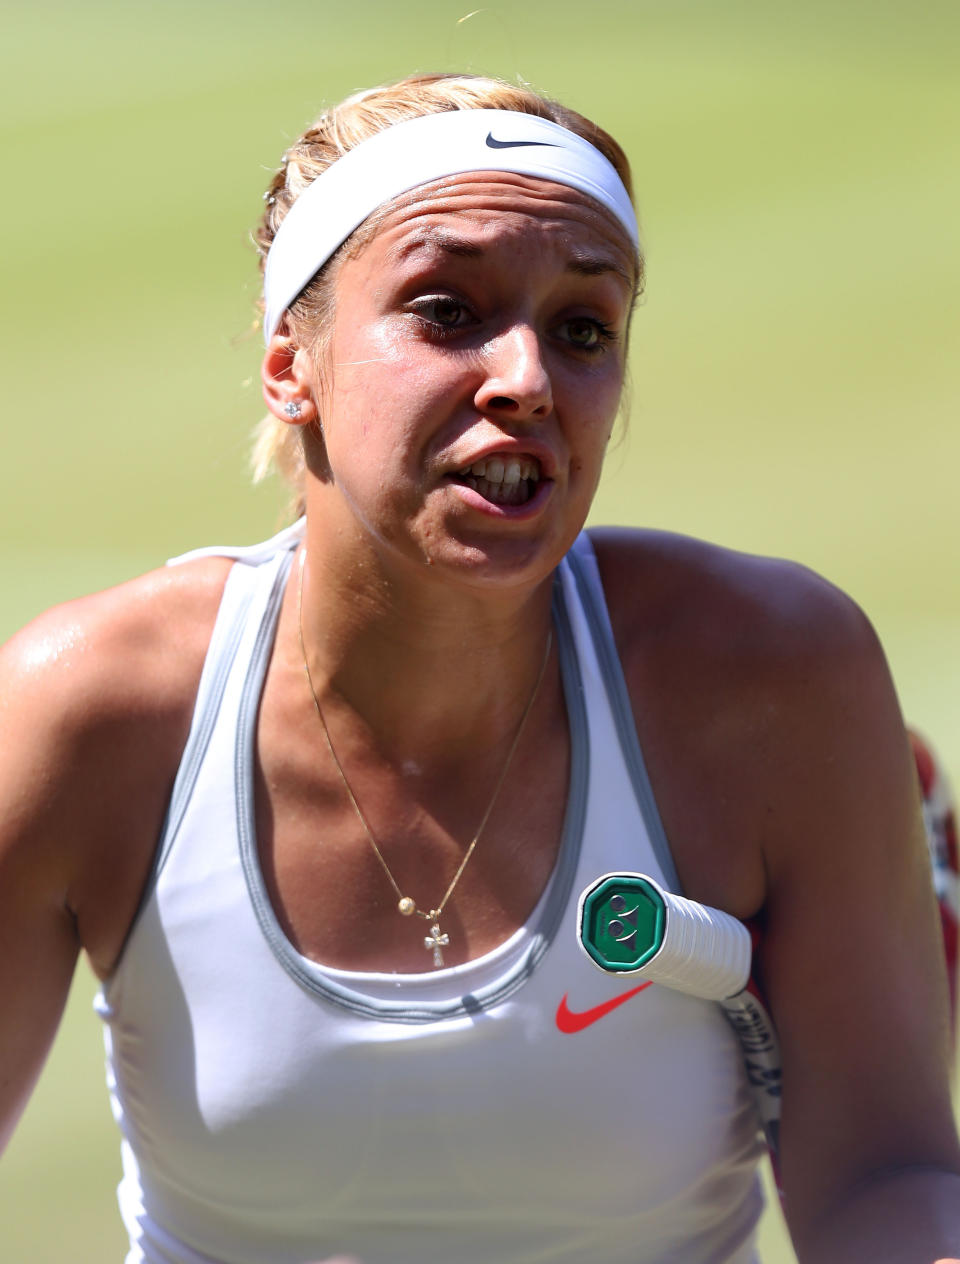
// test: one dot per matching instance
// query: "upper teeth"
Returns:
(496, 469)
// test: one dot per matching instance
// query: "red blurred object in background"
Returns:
(940, 821)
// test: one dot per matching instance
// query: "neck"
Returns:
(434, 669)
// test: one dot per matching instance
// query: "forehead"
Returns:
(465, 214)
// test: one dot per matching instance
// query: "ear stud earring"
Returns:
(293, 409)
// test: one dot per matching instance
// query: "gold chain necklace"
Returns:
(436, 941)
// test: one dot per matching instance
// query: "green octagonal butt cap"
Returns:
(622, 921)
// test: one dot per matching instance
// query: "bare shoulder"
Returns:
(99, 693)
(768, 667)
(744, 670)
(740, 604)
(109, 656)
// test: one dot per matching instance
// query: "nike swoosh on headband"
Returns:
(492, 143)
(570, 1022)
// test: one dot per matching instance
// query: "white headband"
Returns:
(415, 152)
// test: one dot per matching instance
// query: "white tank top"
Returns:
(523, 1108)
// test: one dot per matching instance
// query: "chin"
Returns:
(497, 563)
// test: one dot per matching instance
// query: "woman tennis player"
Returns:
(319, 811)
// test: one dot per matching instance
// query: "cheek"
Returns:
(598, 400)
(399, 398)
(354, 394)
(372, 368)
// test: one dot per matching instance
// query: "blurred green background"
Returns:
(795, 379)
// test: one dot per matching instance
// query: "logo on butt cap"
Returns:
(621, 922)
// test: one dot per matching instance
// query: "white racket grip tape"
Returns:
(705, 952)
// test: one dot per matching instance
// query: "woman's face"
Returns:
(473, 375)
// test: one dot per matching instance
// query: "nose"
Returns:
(516, 380)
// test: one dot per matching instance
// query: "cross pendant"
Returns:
(436, 941)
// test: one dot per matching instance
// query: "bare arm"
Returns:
(781, 766)
(95, 704)
(38, 933)
(853, 964)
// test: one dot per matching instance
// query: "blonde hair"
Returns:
(277, 445)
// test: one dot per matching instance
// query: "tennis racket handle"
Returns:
(629, 925)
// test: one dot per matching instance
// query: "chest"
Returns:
(339, 854)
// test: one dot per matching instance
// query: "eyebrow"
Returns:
(598, 265)
(438, 239)
(442, 239)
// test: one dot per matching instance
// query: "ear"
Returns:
(287, 376)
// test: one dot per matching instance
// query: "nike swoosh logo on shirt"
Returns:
(493, 143)
(570, 1022)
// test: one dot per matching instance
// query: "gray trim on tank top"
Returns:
(598, 619)
(312, 976)
(221, 653)
(222, 650)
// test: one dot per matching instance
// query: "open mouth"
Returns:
(503, 480)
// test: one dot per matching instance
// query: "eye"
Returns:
(586, 333)
(442, 311)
